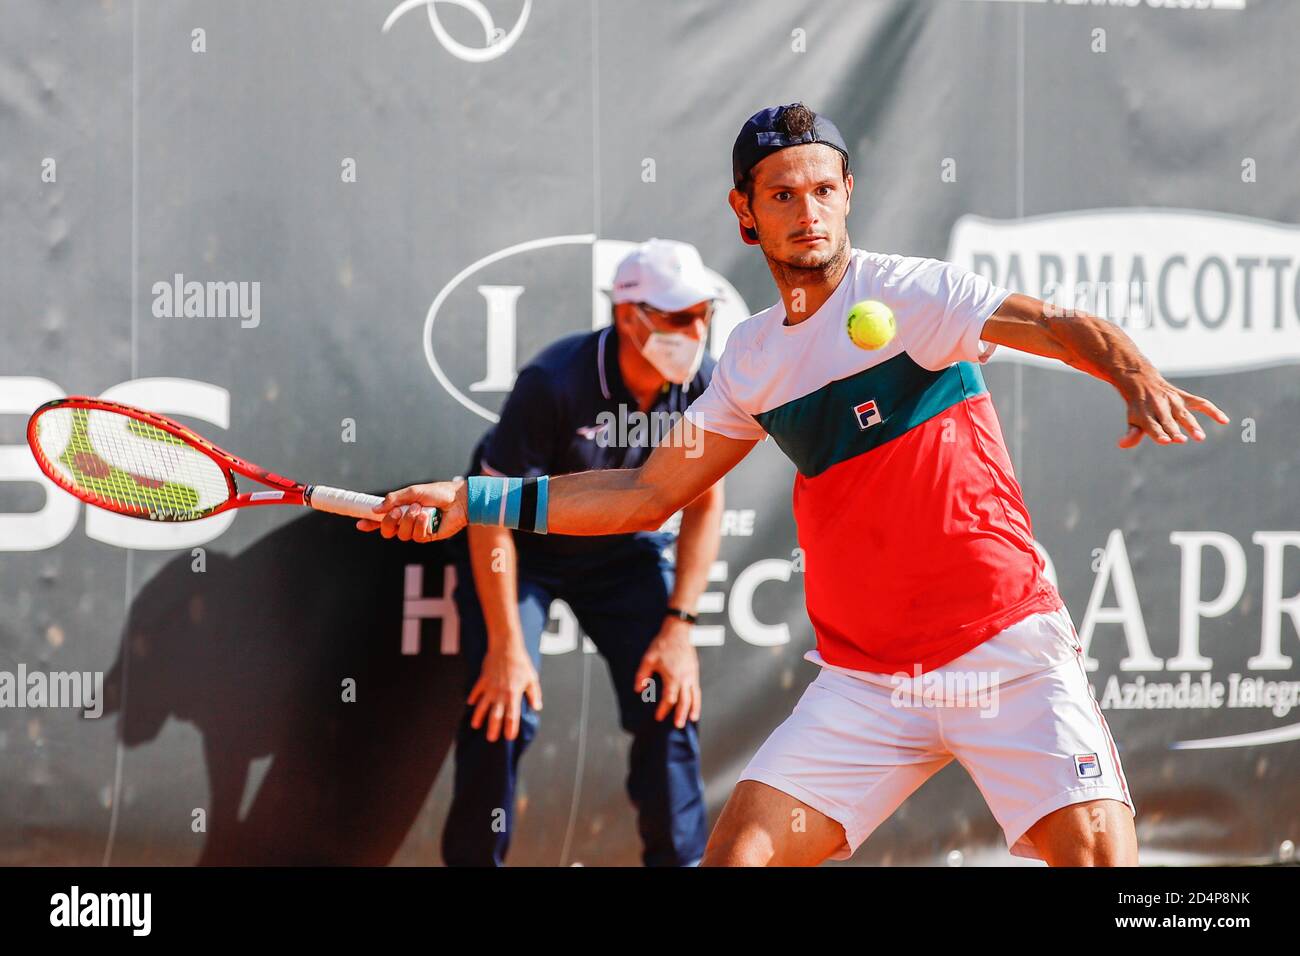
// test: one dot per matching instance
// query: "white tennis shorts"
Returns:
(1016, 712)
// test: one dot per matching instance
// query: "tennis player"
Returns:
(918, 547)
(591, 401)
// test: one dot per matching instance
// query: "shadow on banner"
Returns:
(255, 652)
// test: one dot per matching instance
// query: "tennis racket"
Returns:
(144, 465)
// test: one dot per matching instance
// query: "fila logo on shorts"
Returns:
(1085, 765)
(868, 414)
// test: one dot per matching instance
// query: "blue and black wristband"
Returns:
(519, 503)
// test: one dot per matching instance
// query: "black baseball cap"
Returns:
(767, 132)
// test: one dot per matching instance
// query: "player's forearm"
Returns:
(493, 560)
(697, 547)
(1082, 341)
(1100, 348)
(584, 503)
(615, 501)
(591, 502)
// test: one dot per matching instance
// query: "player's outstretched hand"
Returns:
(405, 514)
(1157, 409)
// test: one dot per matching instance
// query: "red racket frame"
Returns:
(293, 492)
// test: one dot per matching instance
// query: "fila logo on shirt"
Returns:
(1086, 765)
(867, 414)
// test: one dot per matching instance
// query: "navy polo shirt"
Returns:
(570, 411)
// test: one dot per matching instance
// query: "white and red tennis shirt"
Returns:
(917, 544)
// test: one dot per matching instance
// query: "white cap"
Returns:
(667, 274)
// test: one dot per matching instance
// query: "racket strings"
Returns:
(128, 465)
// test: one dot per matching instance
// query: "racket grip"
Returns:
(354, 504)
(338, 501)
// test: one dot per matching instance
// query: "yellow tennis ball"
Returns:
(871, 324)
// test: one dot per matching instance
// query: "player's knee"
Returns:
(1102, 851)
(737, 849)
(1096, 833)
(737, 838)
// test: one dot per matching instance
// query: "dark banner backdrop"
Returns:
(406, 215)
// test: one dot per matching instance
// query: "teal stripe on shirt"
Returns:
(820, 429)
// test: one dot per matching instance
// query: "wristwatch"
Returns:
(681, 615)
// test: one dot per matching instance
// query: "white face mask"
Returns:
(675, 355)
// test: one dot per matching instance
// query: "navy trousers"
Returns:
(618, 596)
